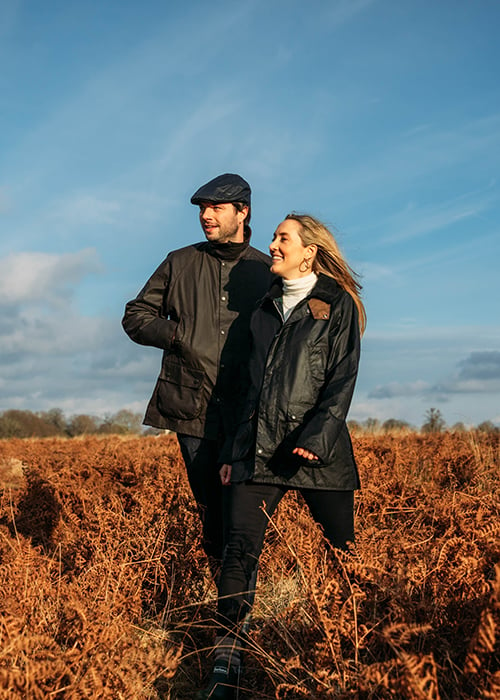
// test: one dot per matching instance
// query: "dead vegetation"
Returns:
(106, 593)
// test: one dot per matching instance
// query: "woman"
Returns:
(303, 367)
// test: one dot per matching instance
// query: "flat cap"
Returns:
(224, 188)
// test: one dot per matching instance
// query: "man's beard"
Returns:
(224, 233)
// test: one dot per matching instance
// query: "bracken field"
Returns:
(105, 592)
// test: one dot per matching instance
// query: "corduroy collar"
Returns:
(326, 289)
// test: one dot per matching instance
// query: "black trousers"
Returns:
(333, 510)
(200, 457)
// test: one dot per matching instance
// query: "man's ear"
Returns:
(243, 213)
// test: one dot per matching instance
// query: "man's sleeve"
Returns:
(144, 319)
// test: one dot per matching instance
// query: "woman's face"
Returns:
(288, 253)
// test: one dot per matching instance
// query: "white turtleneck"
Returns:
(295, 290)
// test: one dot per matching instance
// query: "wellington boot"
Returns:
(222, 685)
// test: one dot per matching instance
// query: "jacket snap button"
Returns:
(259, 450)
(293, 417)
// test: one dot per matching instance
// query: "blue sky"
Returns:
(381, 117)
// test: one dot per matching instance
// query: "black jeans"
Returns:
(333, 510)
(200, 457)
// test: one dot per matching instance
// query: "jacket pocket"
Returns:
(179, 392)
(297, 413)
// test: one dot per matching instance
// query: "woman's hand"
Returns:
(305, 454)
(225, 474)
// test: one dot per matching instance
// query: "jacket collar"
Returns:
(326, 289)
(227, 251)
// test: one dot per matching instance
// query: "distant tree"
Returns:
(393, 425)
(488, 426)
(123, 422)
(355, 427)
(82, 424)
(371, 425)
(434, 422)
(55, 417)
(10, 426)
(458, 427)
(22, 424)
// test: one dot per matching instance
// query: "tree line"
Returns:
(53, 423)
(433, 423)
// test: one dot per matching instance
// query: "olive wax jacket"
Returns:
(196, 307)
(302, 374)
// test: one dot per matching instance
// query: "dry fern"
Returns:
(107, 594)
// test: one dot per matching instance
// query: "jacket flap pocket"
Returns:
(183, 376)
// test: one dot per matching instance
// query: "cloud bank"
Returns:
(52, 354)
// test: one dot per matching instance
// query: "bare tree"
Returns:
(434, 421)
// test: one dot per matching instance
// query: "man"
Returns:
(196, 307)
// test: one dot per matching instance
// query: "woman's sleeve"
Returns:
(328, 417)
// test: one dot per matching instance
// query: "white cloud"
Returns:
(416, 221)
(53, 355)
(405, 160)
(478, 376)
(482, 366)
(394, 389)
(44, 277)
(83, 209)
(479, 373)
(373, 272)
(104, 212)
(100, 371)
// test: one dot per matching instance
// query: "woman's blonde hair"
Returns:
(329, 260)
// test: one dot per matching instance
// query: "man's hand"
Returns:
(305, 454)
(225, 474)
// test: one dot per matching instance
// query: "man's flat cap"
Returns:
(224, 188)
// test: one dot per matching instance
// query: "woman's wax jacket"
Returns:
(303, 373)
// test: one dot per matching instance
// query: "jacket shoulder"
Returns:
(256, 254)
(182, 256)
(188, 251)
(327, 289)
(328, 293)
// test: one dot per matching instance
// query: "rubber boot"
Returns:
(223, 684)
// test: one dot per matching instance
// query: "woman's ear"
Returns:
(312, 250)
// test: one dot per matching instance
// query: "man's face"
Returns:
(222, 223)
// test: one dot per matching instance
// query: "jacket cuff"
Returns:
(226, 453)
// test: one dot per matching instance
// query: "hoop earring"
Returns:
(306, 264)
